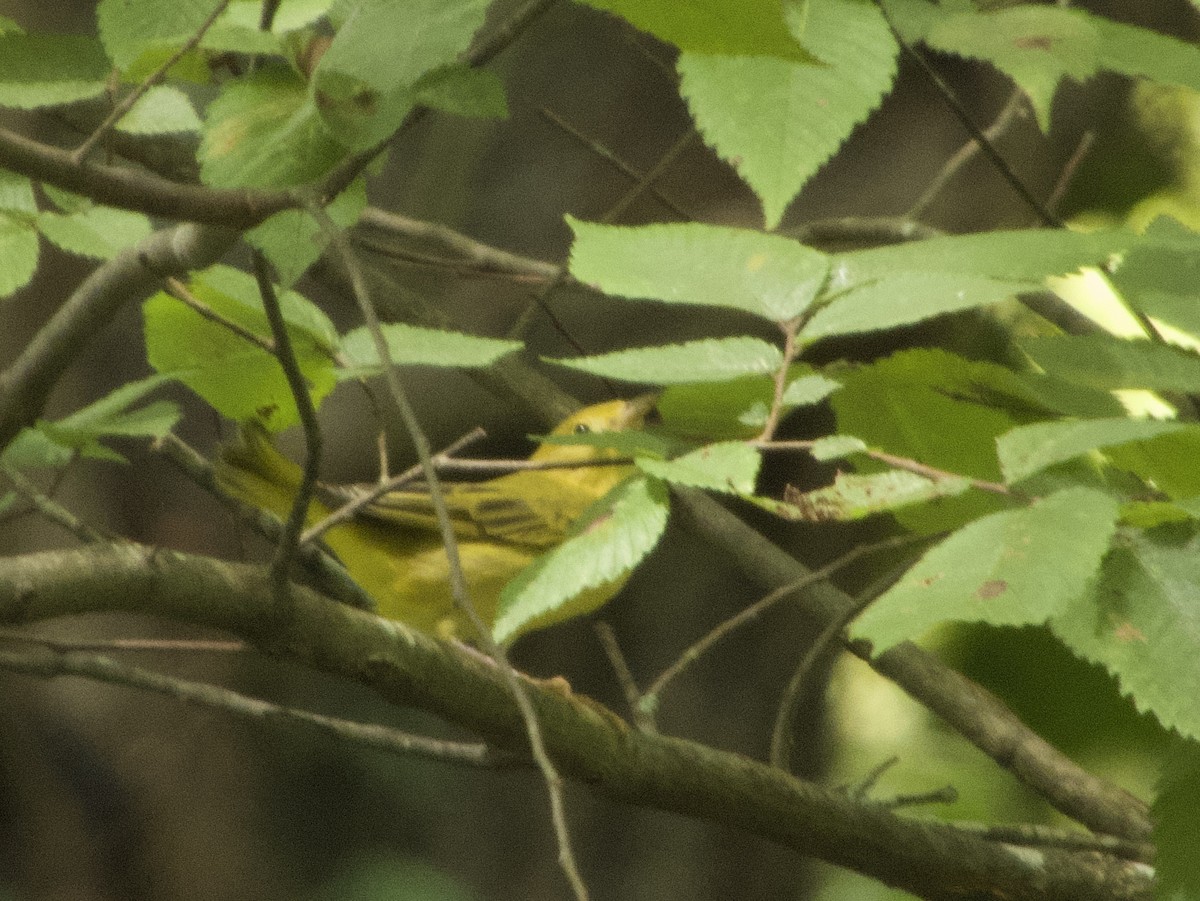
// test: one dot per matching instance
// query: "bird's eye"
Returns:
(582, 428)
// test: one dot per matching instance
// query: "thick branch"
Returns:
(973, 711)
(133, 275)
(133, 189)
(587, 740)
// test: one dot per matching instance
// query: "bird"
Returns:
(393, 547)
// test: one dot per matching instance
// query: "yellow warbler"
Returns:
(394, 549)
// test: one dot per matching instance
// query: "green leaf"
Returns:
(1025, 256)
(409, 345)
(238, 378)
(1111, 363)
(1031, 448)
(1167, 462)
(99, 232)
(291, 15)
(852, 497)
(16, 193)
(34, 449)
(710, 360)
(903, 299)
(292, 240)
(769, 276)
(1035, 46)
(1159, 275)
(131, 31)
(808, 390)
(382, 49)
(1176, 817)
(1016, 567)
(580, 573)
(833, 447)
(161, 110)
(1140, 621)
(114, 415)
(39, 70)
(724, 27)
(777, 122)
(264, 131)
(463, 91)
(728, 466)
(18, 253)
(1142, 53)
(713, 410)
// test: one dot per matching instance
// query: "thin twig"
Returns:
(872, 778)
(350, 509)
(285, 550)
(169, 645)
(51, 664)
(616, 658)
(905, 463)
(155, 77)
(54, 511)
(947, 794)
(790, 351)
(458, 584)
(966, 152)
(1082, 149)
(782, 736)
(330, 576)
(615, 161)
(722, 630)
(964, 116)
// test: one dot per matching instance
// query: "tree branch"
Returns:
(588, 741)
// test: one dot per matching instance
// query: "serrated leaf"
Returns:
(833, 447)
(1142, 53)
(463, 91)
(903, 299)
(130, 30)
(1111, 363)
(1176, 817)
(39, 70)
(710, 360)
(715, 410)
(16, 193)
(292, 240)
(1140, 621)
(410, 345)
(1016, 567)
(380, 52)
(808, 390)
(852, 496)
(1035, 46)
(724, 27)
(161, 110)
(584, 571)
(777, 122)
(766, 275)
(728, 466)
(114, 416)
(18, 253)
(1022, 256)
(264, 131)
(1159, 275)
(1029, 449)
(98, 232)
(238, 378)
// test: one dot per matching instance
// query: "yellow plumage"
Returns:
(394, 549)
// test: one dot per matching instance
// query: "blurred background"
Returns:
(106, 793)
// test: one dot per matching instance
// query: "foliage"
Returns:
(1049, 503)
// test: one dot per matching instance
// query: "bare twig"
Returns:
(289, 540)
(81, 152)
(50, 664)
(183, 294)
(615, 161)
(612, 649)
(993, 133)
(54, 511)
(782, 736)
(458, 583)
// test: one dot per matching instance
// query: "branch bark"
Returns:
(589, 742)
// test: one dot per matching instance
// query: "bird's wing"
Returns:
(478, 510)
